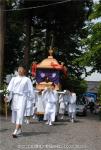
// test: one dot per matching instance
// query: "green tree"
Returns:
(92, 44)
(63, 22)
(79, 86)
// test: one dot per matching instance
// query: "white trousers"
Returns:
(50, 112)
(18, 108)
(62, 108)
(72, 115)
(17, 117)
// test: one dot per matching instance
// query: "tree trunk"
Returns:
(27, 40)
(2, 33)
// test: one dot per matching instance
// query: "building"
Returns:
(93, 82)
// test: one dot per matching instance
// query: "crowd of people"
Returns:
(27, 102)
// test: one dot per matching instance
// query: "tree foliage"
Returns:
(92, 44)
(62, 22)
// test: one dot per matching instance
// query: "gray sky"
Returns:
(95, 1)
(98, 19)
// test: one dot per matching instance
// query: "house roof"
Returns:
(95, 76)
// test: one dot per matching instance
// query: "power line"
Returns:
(35, 7)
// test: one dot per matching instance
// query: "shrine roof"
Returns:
(50, 63)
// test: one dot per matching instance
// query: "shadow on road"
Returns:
(3, 130)
(25, 134)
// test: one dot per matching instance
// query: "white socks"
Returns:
(26, 121)
(16, 133)
(49, 123)
(19, 131)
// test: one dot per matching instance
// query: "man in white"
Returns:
(66, 98)
(63, 101)
(39, 105)
(20, 90)
(29, 111)
(51, 103)
(61, 105)
(72, 106)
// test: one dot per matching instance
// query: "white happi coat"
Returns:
(21, 90)
(51, 103)
(29, 111)
(61, 104)
(66, 98)
(39, 104)
(72, 103)
(44, 97)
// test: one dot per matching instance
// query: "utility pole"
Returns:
(2, 37)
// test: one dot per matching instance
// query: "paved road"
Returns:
(85, 134)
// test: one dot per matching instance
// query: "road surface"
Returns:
(85, 134)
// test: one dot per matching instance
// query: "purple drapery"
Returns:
(53, 75)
